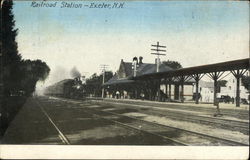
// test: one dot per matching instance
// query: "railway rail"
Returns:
(165, 138)
(171, 134)
(235, 113)
(186, 138)
(223, 123)
(63, 138)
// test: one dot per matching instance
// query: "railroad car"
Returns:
(67, 88)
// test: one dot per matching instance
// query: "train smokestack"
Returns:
(140, 60)
(75, 73)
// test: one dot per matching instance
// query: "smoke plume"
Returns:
(75, 73)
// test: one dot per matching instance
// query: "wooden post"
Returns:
(197, 91)
(215, 76)
(159, 90)
(215, 90)
(182, 92)
(237, 91)
(197, 77)
(176, 92)
(169, 92)
(166, 86)
(181, 80)
(150, 90)
(238, 74)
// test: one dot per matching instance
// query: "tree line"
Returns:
(18, 76)
(94, 83)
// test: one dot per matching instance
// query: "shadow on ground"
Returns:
(29, 126)
(139, 139)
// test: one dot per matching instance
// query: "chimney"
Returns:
(140, 60)
(134, 65)
(135, 59)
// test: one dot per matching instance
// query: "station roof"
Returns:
(217, 67)
(128, 68)
(148, 68)
(114, 80)
(143, 69)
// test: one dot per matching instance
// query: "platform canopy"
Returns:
(217, 67)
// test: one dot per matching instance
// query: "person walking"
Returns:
(117, 94)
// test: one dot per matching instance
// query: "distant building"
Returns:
(206, 90)
(230, 90)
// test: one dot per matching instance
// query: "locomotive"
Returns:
(67, 88)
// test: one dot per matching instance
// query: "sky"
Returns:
(194, 33)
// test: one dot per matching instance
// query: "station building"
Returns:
(122, 85)
(160, 82)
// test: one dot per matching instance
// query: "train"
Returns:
(67, 88)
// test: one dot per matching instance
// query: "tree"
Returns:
(16, 74)
(108, 76)
(10, 71)
(33, 71)
(222, 83)
(94, 83)
(172, 64)
(246, 82)
(11, 59)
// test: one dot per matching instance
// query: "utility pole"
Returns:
(158, 50)
(103, 67)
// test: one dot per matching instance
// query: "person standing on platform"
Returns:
(117, 94)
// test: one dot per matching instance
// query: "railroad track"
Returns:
(166, 133)
(164, 138)
(242, 127)
(234, 113)
(185, 137)
(222, 123)
(63, 138)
